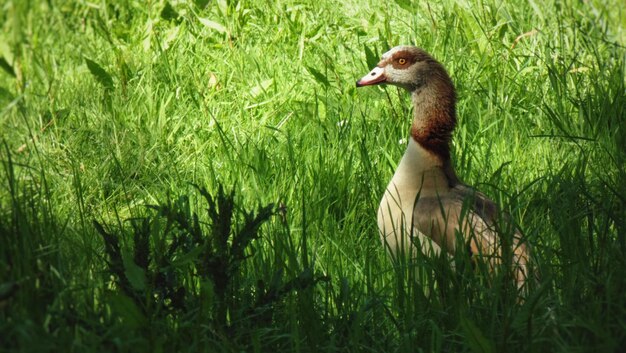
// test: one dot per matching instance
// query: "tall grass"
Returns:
(112, 112)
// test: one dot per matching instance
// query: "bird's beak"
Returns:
(376, 76)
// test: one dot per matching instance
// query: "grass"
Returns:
(111, 113)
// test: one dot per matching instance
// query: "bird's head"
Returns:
(408, 67)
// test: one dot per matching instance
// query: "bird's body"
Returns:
(425, 203)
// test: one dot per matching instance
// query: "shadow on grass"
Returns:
(178, 267)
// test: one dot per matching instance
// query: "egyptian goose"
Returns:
(425, 204)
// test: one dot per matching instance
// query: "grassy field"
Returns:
(204, 175)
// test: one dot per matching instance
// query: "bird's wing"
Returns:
(471, 215)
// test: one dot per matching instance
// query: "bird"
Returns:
(425, 205)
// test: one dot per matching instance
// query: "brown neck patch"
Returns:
(435, 117)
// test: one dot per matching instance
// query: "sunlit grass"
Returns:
(108, 108)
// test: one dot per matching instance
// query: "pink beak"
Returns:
(376, 76)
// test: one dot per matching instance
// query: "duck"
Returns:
(425, 205)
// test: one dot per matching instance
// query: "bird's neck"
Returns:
(422, 171)
(434, 119)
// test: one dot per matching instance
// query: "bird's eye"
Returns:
(402, 61)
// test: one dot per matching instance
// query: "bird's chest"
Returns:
(415, 178)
